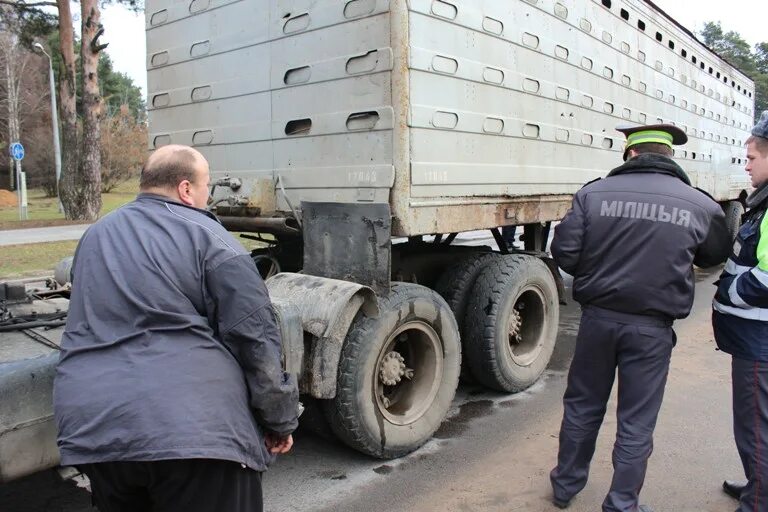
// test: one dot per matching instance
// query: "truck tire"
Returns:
(397, 374)
(512, 320)
(455, 286)
(733, 212)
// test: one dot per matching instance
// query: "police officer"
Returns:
(630, 241)
(740, 321)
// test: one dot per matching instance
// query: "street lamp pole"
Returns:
(54, 121)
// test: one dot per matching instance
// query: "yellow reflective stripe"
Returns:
(762, 245)
(647, 136)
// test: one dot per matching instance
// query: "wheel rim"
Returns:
(525, 326)
(267, 265)
(408, 372)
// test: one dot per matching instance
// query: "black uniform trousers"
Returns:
(640, 347)
(750, 429)
(182, 485)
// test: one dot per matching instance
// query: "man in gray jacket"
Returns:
(169, 394)
(630, 241)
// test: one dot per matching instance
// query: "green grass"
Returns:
(120, 195)
(36, 259)
(31, 259)
(44, 211)
(252, 244)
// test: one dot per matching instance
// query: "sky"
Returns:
(127, 45)
(746, 17)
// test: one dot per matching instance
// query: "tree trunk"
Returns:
(10, 55)
(70, 151)
(90, 163)
(13, 112)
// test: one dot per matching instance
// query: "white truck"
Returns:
(351, 130)
(357, 139)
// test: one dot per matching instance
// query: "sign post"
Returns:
(24, 195)
(17, 153)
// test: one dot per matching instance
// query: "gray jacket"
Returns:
(171, 349)
(631, 239)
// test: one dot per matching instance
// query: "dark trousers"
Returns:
(640, 347)
(750, 429)
(508, 234)
(187, 485)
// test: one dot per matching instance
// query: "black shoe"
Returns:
(644, 508)
(734, 488)
(561, 503)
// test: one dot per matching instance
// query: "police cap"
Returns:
(666, 134)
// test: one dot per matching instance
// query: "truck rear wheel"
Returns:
(512, 321)
(397, 374)
(455, 286)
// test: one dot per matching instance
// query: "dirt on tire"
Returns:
(504, 284)
(356, 414)
(455, 286)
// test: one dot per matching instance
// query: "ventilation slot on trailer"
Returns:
(362, 120)
(298, 127)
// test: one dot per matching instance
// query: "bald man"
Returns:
(169, 394)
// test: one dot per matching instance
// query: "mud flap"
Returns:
(291, 335)
(349, 241)
(550, 263)
(326, 308)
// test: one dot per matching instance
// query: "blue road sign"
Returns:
(17, 151)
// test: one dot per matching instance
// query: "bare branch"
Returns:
(95, 46)
(20, 72)
(27, 6)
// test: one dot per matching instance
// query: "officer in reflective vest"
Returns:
(629, 241)
(740, 321)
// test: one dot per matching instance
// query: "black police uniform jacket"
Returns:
(740, 317)
(631, 240)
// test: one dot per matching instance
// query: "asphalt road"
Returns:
(36, 235)
(495, 451)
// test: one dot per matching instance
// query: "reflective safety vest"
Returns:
(740, 318)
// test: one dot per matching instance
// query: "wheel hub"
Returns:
(525, 326)
(515, 325)
(393, 369)
(402, 393)
(267, 265)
